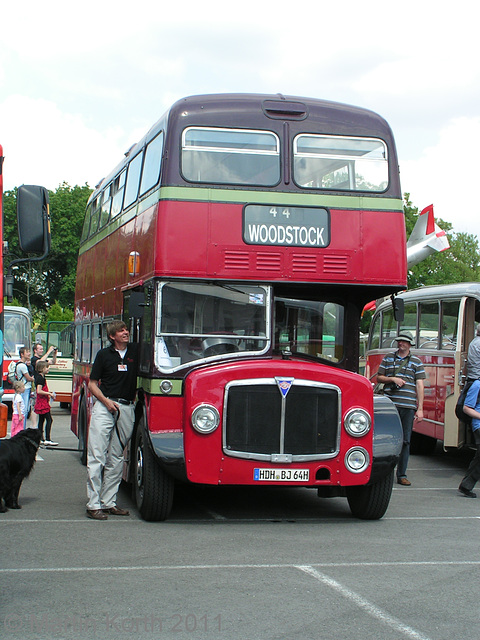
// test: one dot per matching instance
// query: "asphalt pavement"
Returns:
(239, 563)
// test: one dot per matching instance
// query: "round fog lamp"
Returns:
(356, 460)
(357, 422)
(205, 418)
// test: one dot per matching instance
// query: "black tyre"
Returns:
(152, 487)
(370, 502)
(82, 431)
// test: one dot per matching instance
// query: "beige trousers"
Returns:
(105, 454)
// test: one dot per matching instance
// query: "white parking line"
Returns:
(406, 490)
(214, 517)
(214, 567)
(364, 604)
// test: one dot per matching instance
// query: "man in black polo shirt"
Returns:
(113, 382)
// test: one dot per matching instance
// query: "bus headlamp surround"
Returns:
(357, 459)
(357, 422)
(205, 418)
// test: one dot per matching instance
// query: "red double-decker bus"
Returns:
(239, 240)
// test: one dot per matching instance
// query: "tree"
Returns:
(57, 314)
(39, 285)
(460, 263)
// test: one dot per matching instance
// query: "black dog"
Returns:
(17, 457)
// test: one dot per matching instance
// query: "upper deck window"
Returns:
(133, 180)
(340, 163)
(230, 156)
(86, 223)
(106, 206)
(95, 214)
(151, 166)
(118, 186)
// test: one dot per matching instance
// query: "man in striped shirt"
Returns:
(403, 374)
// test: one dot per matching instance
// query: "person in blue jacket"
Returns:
(472, 408)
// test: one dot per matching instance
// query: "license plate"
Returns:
(281, 475)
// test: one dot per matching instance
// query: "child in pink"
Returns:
(18, 415)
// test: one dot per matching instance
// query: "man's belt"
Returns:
(121, 400)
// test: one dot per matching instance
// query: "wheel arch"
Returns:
(387, 438)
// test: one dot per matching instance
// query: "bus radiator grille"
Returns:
(255, 415)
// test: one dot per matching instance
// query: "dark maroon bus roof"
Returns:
(276, 113)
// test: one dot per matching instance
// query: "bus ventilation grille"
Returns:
(337, 265)
(236, 260)
(269, 261)
(304, 263)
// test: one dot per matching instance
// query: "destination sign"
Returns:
(286, 226)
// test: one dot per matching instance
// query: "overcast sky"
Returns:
(81, 82)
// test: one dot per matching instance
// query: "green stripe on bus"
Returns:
(152, 386)
(350, 201)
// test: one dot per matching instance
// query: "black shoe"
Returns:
(466, 492)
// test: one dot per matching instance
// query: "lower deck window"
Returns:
(311, 327)
(199, 320)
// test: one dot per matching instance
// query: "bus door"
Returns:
(456, 434)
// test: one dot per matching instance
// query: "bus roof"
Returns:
(18, 310)
(434, 292)
(242, 110)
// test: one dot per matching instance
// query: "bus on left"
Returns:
(33, 218)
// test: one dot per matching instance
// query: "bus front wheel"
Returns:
(370, 502)
(152, 487)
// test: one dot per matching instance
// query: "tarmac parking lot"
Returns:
(266, 564)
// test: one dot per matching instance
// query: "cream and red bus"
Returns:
(442, 320)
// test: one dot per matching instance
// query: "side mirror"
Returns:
(398, 308)
(33, 217)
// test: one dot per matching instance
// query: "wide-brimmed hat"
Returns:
(406, 336)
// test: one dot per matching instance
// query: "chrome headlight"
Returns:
(357, 460)
(357, 422)
(205, 418)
